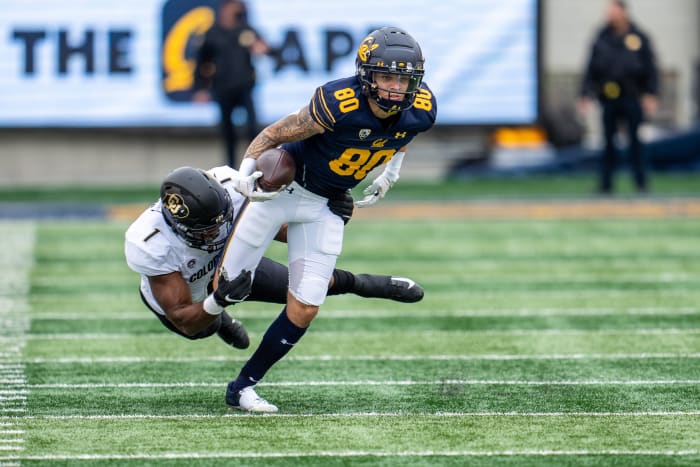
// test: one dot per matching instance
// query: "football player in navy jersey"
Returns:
(351, 126)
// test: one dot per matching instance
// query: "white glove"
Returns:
(376, 190)
(247, 186)
(381, 185)
(246, 182)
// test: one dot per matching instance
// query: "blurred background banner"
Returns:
(129, 63)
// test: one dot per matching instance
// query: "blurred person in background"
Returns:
(621, 72)
(225, 73)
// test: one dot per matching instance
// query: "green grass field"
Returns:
(558, 342)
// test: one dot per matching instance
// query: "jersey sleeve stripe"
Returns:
(317, 118)
(320, 112)
(325, 106)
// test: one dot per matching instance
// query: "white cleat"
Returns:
(248, 400)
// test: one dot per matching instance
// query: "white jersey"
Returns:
(152, 248)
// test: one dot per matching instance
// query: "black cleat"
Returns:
(400, 289)
(233, 333)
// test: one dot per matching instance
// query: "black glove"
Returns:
(342, 206)
(233, 291)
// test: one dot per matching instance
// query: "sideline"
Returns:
(647, 208)
(604, 208)
(17, 260)
(497, 209)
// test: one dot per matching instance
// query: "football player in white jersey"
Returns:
(176, 246)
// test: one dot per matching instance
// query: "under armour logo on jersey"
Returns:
(289, 190)
(400, 134)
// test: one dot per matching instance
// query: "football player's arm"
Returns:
(174, 297)
(381, 185)
(293, 127)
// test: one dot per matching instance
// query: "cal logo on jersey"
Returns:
(183, 23)
(364, 133)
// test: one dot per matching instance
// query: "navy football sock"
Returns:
(279, 339)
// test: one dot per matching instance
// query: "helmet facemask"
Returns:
(372, 88)
(197, 208)
(211, 237)
(391, 51)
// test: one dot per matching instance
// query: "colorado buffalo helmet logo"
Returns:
(176, 205)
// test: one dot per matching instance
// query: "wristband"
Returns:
(394, 166)
(248, 166)
(210, 306)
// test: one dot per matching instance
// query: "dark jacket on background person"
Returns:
(228, 50)
(620, 65)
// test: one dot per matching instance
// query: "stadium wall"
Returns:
(94, 156)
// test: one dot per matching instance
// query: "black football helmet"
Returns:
(197, 208)
(389, 50)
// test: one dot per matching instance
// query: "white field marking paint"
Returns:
(17, 259)
(350, 454)
(364, 358)
(455, 382)
(488, 332)
(11, 373)
(235, 414)
(370, 314)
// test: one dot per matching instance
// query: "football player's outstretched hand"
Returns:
(247, 186)
(376, 191)
(230, 292)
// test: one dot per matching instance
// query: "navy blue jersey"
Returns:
(355, 140)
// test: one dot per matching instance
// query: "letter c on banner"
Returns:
(178, 70)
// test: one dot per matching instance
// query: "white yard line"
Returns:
(428, 333)
(146, 315)
(17, 258)
(350, 454)
(235, 414)
(363, 358)
(454, 382)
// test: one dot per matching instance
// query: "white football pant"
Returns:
(314, 237)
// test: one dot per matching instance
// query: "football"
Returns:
(277, 167)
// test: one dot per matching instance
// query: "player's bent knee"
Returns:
(299, 313)
(309, 287)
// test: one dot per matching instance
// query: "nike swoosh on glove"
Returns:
(230, 292)
(247, 186)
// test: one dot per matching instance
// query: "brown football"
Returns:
(277, 167)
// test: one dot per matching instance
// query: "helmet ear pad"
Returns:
(389, 50)
(197, 208)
